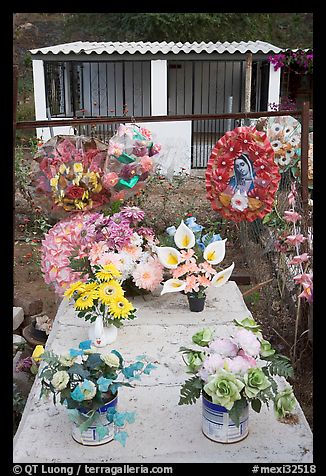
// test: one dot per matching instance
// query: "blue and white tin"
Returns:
(218, 426)
(90, 436)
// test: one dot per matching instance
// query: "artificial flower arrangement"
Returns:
(71, 168)
(101, 296)
(237, 370)
(87, 382)
(131, 160)
(73, 246)
(191, 257)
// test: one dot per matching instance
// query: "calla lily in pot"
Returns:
(191, 258)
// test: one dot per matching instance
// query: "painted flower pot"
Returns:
(196, 304)
(90, 437)
(218, 426)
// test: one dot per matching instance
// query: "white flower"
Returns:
(136, 240)
(111, 360)
(173, 285)
(222, 277)
(66, 360)
(283, 161)
(276, 144)
(224, 346)
(238, 364)
(276, 128)
(239, 201)
(60, 380)
(247, 341)
(214, 253)
(210, 366)
(184, 237)
(169, 257)
(295, 140)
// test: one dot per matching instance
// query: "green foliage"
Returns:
(290, 30)
(236, 410)
(280, 365)
(190, 391)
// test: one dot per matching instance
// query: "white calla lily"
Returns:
(169, 257)
(222, 277)
(184, 237)
(214, 253)
(173, 285)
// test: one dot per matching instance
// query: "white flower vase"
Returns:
(218, 426)
(102, 335)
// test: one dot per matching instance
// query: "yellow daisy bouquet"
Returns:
(101, 295)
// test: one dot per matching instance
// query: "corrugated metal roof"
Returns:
(109, 47)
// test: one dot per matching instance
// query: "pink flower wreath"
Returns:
(232, 196)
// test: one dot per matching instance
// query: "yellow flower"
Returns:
(90, 286)
(120, 307)
(54, 181)
(109, 290)
(108, 272)
(38, 351)
(78, 167)
(62, 168)
(86, 300)
(78, 286)
(79, 204)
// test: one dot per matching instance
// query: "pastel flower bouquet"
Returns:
(237, 370)
(191, 258)
(74, 246)
(87, 383)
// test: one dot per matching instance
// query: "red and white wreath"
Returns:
(242, 176)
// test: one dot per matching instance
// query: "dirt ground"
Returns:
(163, 202)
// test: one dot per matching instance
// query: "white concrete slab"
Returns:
(17, 316)
(163, 432)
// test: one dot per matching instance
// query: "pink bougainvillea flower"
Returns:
(187, 255)
(295, 239)
(291, 216)
(299, 259)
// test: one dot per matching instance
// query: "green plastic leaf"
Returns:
(190, 391)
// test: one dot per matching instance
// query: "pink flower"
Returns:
(146, 133)
(110, 180)
(148, 275)
(146, 164)
(239, 364)
(307, 292)
(295, 239)
(303, 279)
(247, 341)
(209, 270)
(187, 255)
(146, 232)
(97, 251)
(115, 149)
(191, 284)
(203, 281)
(299, 259)
(210, 365)
(132, 213)
(292, 216)
(224, 346)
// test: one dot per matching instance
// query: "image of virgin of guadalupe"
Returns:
(243, 179)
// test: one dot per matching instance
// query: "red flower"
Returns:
(73, 192)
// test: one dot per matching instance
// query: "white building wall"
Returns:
(274, 86)
(40, 103)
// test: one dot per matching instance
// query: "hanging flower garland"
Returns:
(242, 176)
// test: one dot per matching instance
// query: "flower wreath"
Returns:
(235, 198)
(284, 134)
(71, 168)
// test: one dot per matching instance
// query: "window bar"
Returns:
(176, 89)
(224, 82)
(72, 84)
(133, 87)
(90, 89)
(115, 90)
(63, 88)
(193, 149)
(123, 88)
(184, 88)
(82, 87)
(141, 88)
(98, 90)
(201, 110)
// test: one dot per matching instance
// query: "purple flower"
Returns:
(134, 214)
(128, 171)
(24, 365)
(117, 235)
